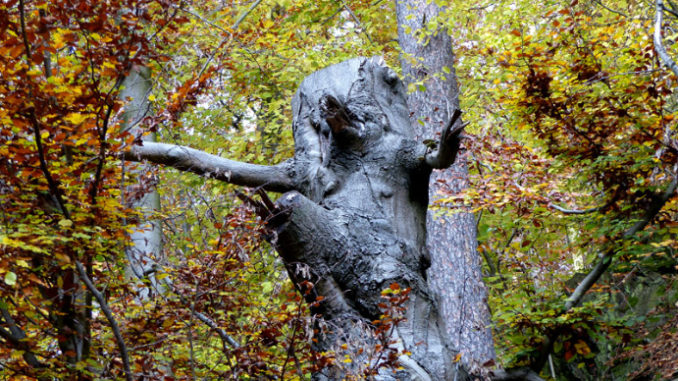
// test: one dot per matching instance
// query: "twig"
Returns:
(610, 9)
(671, 11)
(223, 40)
(357, 21)
(109, 316)
(245, 14)
(197, 16)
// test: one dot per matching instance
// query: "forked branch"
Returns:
(448, 146)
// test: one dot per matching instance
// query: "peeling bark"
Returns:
(354, 218)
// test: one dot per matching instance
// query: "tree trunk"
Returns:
(354, 220)
(455, 272)
(146, 237)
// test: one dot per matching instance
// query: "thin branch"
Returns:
(599, 2)
(234, 27)
(357, 21)
(225, 338)
(197, 16)
(671, 12)
(53, 186)
(245, 14)
(275, 178)
(604, 262)
(23, 31)
(109, 316)
(576, 211)
(17, 338)
(606, 258)
(102, 146)
(658, 46)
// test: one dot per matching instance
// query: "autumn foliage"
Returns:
(572, 139)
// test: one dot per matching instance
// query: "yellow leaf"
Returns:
(22, 263)
(63, 258)
(65, 223)
(582, 348)
(76, 118)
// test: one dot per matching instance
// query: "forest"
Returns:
(338, 190)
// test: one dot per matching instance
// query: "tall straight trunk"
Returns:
(455, 272)
(146, 237)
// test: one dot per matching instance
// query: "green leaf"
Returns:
(10, 278)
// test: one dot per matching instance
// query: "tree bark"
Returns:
(455, 272)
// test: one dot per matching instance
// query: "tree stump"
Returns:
(353, 219)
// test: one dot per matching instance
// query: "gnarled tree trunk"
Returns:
(353, 220)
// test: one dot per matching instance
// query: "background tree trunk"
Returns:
(147, 235)
(455, 273)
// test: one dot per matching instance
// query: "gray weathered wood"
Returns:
(354, 218)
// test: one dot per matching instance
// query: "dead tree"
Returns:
(352, 220)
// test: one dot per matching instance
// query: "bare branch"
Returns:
(275, 178)
(610, 9)
(658, 46)
(53, 186)
(245, 14)
(111, 320)
(576, 211)
(671, 12)
(448, 146)
(357, 21)
(606, 258)
(225, 338)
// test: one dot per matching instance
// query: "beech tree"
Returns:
(352, 220)
(380, 188)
